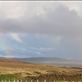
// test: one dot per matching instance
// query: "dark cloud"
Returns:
(60, 20)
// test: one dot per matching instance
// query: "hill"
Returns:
(53, 61)
(17, 66)
(16, 69)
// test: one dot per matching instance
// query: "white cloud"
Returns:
(8, 56)
(46, 49)
(74, 5)
(17, 9)
(16, 37)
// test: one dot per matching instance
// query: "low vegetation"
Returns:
(12, 69)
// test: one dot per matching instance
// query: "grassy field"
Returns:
(13, 69)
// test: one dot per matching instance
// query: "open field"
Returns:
(13, 69)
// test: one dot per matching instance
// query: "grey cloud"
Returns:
(61, 21)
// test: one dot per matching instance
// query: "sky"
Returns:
(41, 29)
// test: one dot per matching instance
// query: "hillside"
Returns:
(11, 69)
(53, 61)
(16, 66)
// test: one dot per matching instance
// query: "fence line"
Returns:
(36, 81)
(42, 78)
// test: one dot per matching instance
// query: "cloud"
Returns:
(56, 26)
(61, 19)
(16, 37)
(46, 49)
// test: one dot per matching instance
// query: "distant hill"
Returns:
(26, 67)
(53, 61)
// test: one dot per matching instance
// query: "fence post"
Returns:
(44, 80)
(2, 81)
(37, 80)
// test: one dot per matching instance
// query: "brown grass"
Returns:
(10, 66)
